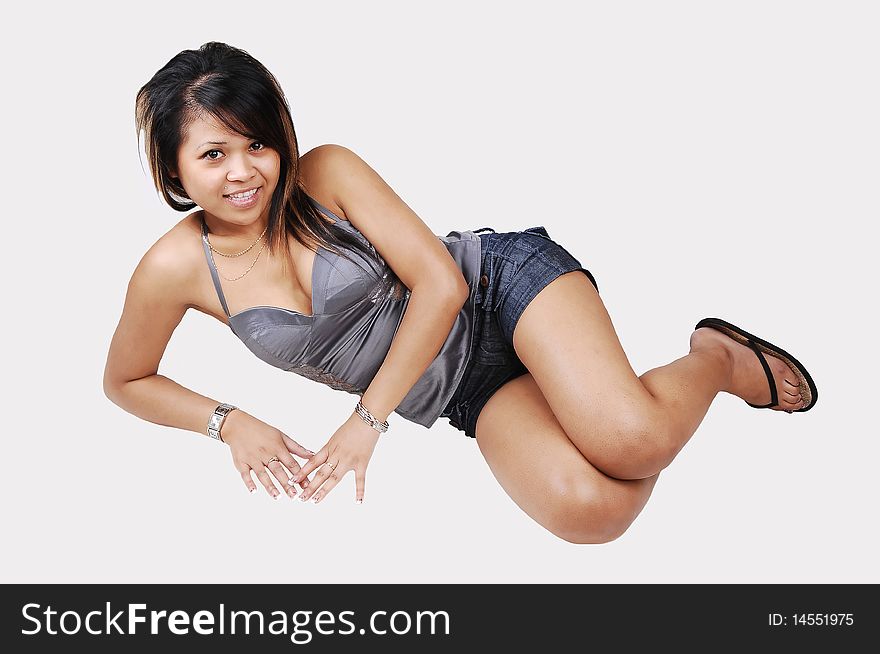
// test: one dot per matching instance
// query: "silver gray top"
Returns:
(356, 310)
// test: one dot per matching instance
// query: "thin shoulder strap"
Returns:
(324, 209)
(212, 266)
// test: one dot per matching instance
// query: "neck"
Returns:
(234, 233)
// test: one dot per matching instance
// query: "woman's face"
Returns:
(214, 164)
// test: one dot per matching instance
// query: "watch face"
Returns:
(215, 420)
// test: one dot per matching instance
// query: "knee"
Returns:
(638, 448)
(586, 515)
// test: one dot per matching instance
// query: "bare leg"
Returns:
(629, 427)
(686, 387)
(541, 470)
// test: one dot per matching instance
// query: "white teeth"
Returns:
(243, 196)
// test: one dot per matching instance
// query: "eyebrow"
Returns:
(211, 143)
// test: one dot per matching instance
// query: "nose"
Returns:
(240, 169)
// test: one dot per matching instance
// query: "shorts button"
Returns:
(484, 281)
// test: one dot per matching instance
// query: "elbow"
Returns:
(110, 385)
(456, 294)
(112, 388)
(458, 289)
(111, 391)
(454, 290)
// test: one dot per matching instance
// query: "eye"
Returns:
(208, 156)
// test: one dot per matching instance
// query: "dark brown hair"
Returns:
(241, 94)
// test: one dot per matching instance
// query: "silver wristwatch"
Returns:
(380, 426)
(216, 420)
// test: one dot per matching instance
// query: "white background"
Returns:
(700, 158)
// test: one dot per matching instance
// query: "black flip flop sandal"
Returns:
(807, 387)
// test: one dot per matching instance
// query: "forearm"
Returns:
(163, 401)
(429, 317)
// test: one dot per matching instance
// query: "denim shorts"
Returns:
(515, 267)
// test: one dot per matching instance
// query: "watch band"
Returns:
(370, 419)
(215, 422)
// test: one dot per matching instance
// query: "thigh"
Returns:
(541, 470)
(566, 340)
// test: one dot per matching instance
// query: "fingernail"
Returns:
(291, 481)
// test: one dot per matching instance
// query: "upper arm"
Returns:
(406, 243)
(153, 308)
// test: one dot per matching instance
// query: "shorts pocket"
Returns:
(495, 276)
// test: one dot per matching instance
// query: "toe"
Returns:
(789, 394)
(791, 398)
(788, 390)
(748, 376)
(792, 389)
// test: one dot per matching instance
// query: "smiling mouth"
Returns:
(242, 195)
(246, 200)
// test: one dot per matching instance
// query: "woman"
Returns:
(321, 269)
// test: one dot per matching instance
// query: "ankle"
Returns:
(722, 358)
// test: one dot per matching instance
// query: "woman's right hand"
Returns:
(253, 442)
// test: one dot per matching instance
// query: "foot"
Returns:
(747, 379)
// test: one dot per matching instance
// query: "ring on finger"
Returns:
(332, 465)
(272, 460)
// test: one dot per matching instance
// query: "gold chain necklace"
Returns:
(237, 255)
(242, 274)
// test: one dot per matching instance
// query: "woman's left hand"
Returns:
(349, 448)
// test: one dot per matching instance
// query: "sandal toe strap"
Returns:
(774, 398)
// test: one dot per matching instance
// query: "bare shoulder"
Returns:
(374, 208)
(323, 167)
(159, 293)
(323, 161)
(170, 265)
